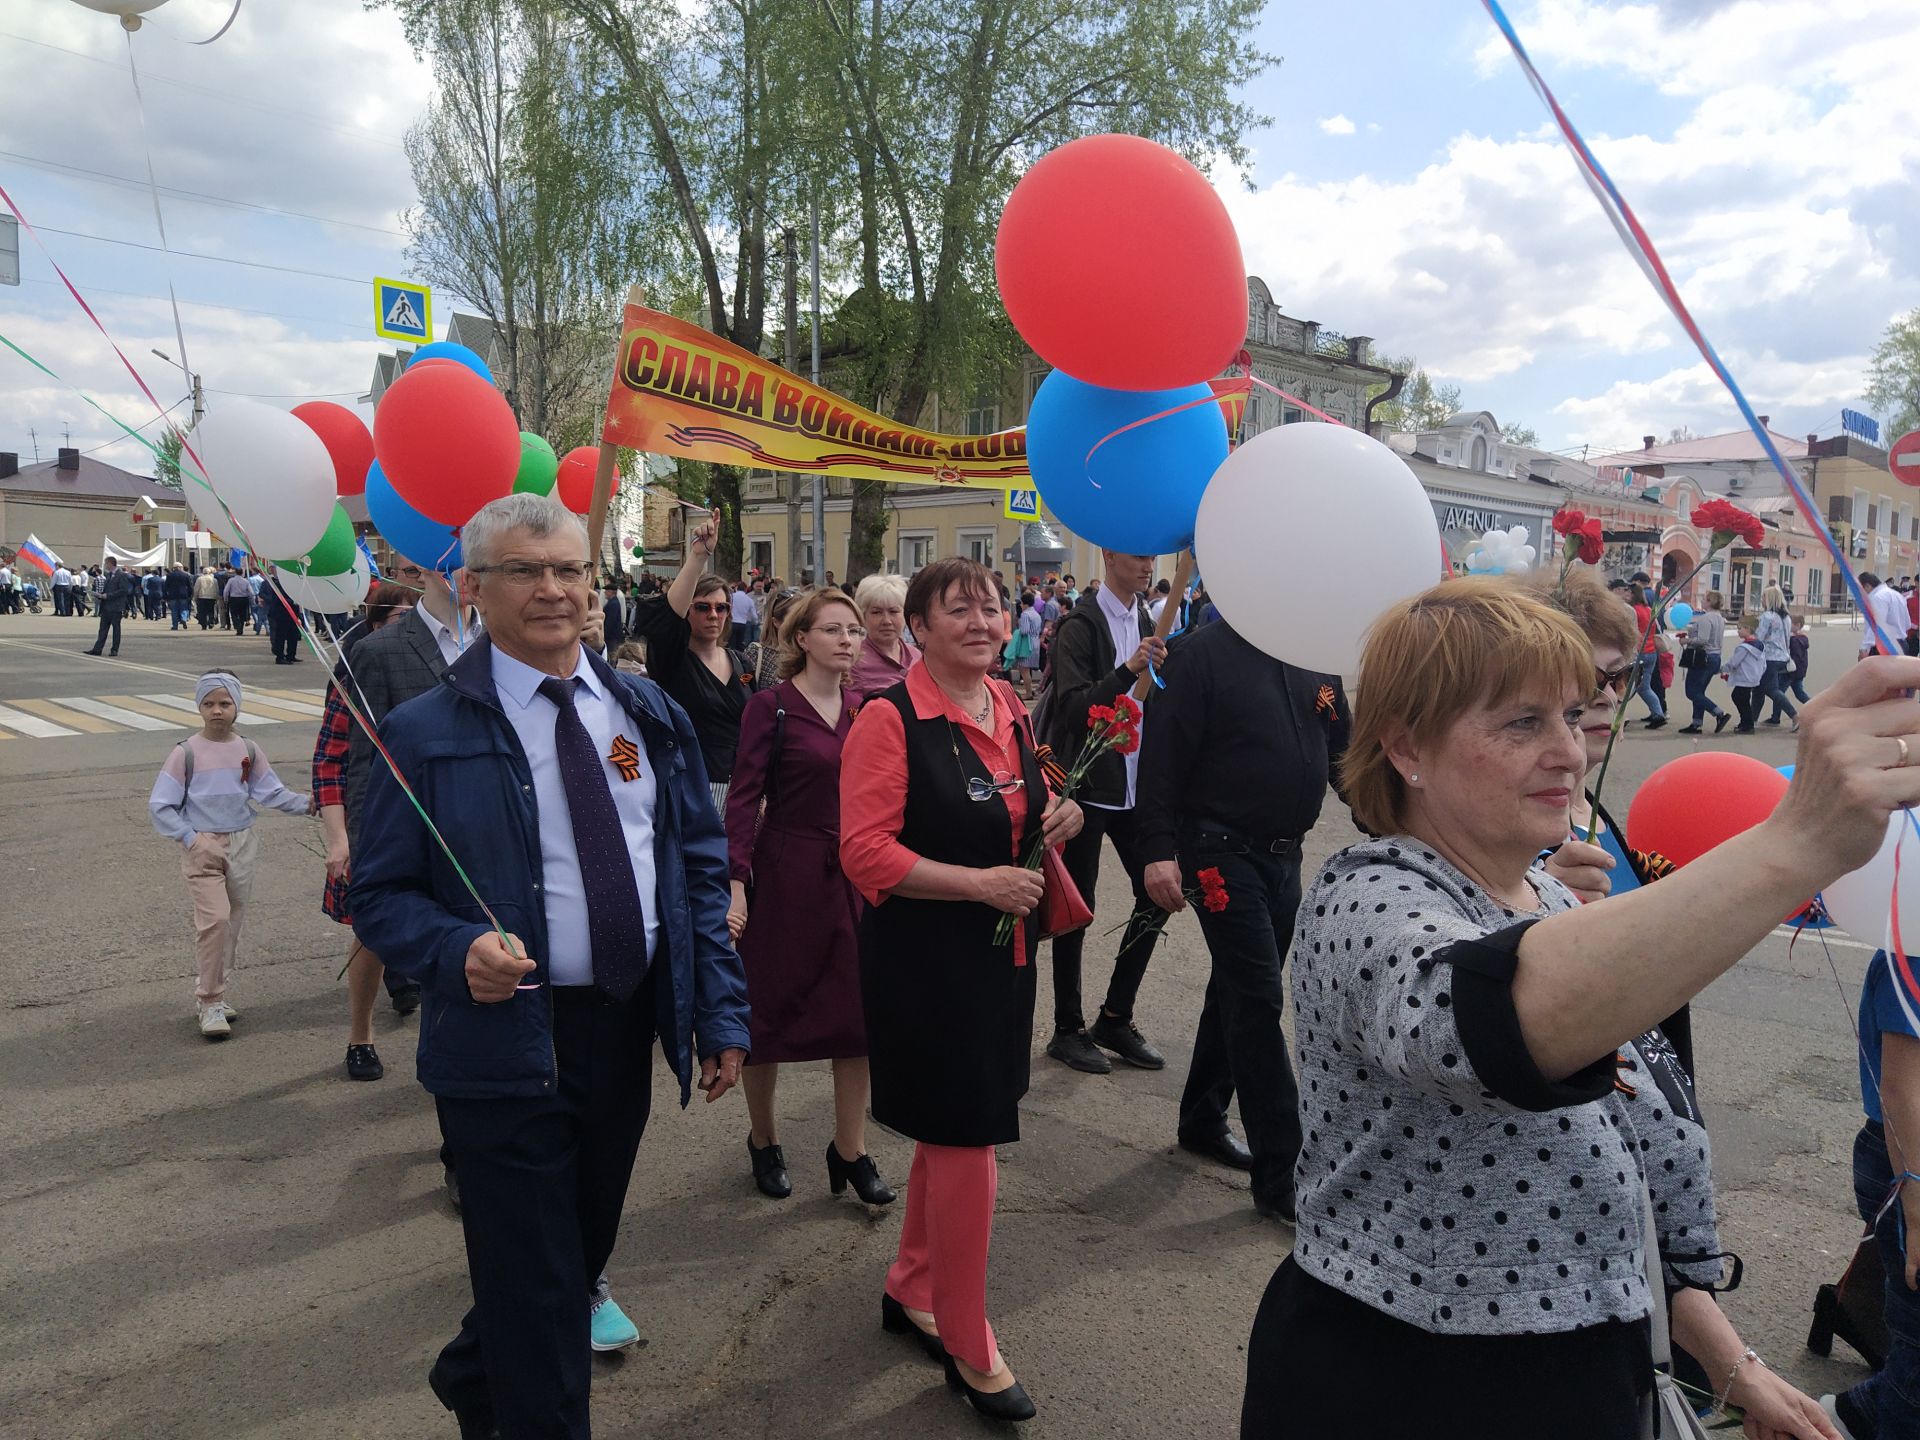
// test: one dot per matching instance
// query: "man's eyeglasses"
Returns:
(407, 572)
(699, 609)
(1614, 680)
(524, 574)
(981, 788)
(834, 632)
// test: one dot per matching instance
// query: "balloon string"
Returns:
(153, 192)
(239, 529)
(1627, 225)
(1213, 397)
(1296, 400)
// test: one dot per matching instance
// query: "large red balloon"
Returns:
(347, 440)
(575, 485)
(1118, 263)
(1692, 804)
(447, 441)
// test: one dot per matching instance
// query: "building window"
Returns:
(916, 552)
(1034, 381)
(984, 416)
(760, 555)
(1291, 414)
(977, 546)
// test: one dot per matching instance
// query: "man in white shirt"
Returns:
(1100, 650)
(746, 617)
(62, 590)
(9, 590)
(1888, 609)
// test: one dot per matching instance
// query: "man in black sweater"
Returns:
(1233, 772)
(1100, 649)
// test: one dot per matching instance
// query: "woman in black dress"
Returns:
(941, 794)
(686, 633)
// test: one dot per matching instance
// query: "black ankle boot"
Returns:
(769, 1170)
(865, 1176)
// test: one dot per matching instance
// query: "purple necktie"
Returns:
(616, 925)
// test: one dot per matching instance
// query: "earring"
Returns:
(1413, 779)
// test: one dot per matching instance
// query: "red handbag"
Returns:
(1062, 908)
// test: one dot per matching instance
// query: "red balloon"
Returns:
(1692, 804)
(347, 440)
(1118, 263)
(575, 485)
(447, 440)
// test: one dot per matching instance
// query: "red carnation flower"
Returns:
(1592, 544)
(1729, 522)
(1215, 901)
(1566, 522)
(1210, 878)
(1126, 709)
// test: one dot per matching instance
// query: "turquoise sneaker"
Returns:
(611, 1329)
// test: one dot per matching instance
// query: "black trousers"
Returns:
(1082, 857)
(109, 620)
(542, 1183)
(203, 611)
(1239, 1045)
(238, 609)
(282, 631)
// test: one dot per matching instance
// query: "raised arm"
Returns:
(1588, 980)
(699, 551)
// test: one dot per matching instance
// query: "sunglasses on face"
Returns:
(712, 609)
(1614, 680)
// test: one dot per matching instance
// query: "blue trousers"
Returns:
(1890, 1396)
(1698, 680)
(1774, 688)
(1649, 667)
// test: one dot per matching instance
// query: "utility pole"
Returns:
(819, 481)
(34, 436)
(791, 250)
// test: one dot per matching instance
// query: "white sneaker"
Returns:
(213, 1021)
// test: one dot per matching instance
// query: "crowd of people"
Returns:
(768, 825)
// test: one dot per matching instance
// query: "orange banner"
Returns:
(684, 392)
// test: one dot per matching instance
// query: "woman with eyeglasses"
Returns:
(686, 633)
(886, 656)
(941, 796)
(794, 916)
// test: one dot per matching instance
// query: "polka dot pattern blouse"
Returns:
(1443, 1180)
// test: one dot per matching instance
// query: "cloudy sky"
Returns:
(1407, 189)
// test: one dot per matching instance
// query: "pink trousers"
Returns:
(219, 875)
(942, 1263)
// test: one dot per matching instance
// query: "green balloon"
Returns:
(332, 553)
(539, 466)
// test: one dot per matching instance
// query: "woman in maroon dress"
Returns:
(799, 935)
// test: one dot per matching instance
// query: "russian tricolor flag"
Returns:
(38, 555)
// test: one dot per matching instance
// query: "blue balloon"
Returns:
(427, 543)
(1787, 770)
(460, 354)
(1140, 493)
(1679, 614)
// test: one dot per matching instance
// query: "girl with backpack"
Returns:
(203, 797)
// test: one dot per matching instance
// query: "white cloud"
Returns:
(1336, 125)
(1778, 202)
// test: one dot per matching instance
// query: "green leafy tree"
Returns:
(1893, 377)
(166, 464)
(943, 108)
(1517, 434)
(1421, 404)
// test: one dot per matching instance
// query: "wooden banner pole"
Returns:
(1169, 614)
(603, 470)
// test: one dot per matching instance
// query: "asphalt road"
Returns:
(234, 1240)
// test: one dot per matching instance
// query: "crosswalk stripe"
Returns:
(32, 725)
(176, 702)
(120, 716)
(315, 697)
(171, 714)
(65, 715)
(287, 701)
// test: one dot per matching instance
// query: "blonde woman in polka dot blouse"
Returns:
(1473, 1186)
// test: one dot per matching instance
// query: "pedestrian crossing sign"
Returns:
(1022, 505)
(402, 311)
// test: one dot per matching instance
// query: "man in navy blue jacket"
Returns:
(576, 800)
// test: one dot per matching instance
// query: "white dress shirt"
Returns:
(1123, 623)
(533, 717)
(743, 611)
(450, 641)
(1890, 609)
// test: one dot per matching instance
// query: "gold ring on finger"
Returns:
(1901, 741)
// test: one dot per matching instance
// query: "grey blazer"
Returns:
(393, 664)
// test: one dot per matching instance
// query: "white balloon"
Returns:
(1860, 902)
(329, 594)
(1261, 541)
(271, 471)
(129, 11)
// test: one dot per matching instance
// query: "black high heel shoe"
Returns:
(863, 1173)
(1011, 1404)
(769, 1170)
(895, 1321)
